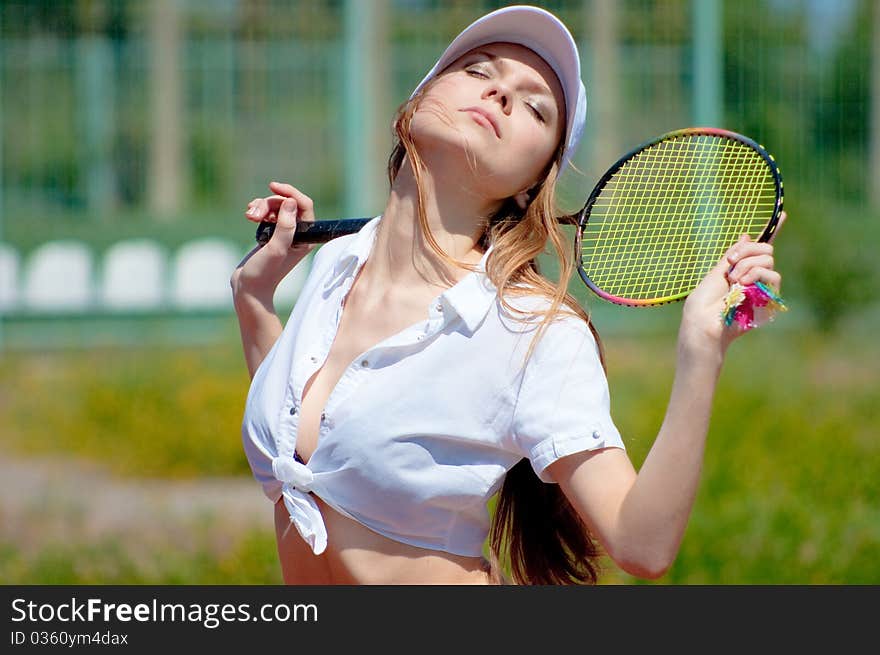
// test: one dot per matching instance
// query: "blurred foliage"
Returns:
(210, 157)
(173, 412)
(841, 109)
(249, 560)
(827, 261)
(788, 492)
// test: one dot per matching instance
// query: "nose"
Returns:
(499, 92)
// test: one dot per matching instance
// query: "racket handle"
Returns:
(323, 231)
(314, 231)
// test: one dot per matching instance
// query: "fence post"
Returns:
(96, 99)
(874, 127)
(365, 107)
(604, 81)
(708, 71)
(167, 148)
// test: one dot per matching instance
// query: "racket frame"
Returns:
(583, 215)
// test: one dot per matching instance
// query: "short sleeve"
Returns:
(563, 405)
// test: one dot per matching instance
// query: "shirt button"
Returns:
(438, 307)
(596, 434)
(420, 337)
(314, 359)
(365, 363)
(293, 410)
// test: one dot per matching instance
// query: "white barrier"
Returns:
(58, 277)
(9, 263)
(133, 276)
(201, 272)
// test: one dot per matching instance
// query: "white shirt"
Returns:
(420, 430)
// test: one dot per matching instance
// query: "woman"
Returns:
(427, 365)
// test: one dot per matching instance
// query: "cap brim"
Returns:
(541, 32)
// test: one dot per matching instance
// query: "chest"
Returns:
(364, 323)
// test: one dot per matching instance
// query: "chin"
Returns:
(448, 146)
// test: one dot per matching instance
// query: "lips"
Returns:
(483, 117)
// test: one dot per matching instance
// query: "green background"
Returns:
(152, 400)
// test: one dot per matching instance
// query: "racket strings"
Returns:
(666, 216)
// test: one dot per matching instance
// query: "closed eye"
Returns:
(536, 112)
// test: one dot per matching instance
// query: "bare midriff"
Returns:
(356, 555)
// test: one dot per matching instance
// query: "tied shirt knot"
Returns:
(304, 512)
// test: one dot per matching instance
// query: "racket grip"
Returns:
(323, 231)
(314, 231)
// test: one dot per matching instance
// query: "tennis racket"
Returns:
(659, 218)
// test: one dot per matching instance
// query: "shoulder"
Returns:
(545, 338)
(567, 337)
(342, 249)
(529, 310)
(328, 253)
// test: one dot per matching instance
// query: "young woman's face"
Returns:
(503, 106)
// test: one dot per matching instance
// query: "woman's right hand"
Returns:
(263, 268)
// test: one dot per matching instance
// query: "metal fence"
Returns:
(162, 119)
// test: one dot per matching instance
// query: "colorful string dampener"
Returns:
(751, 306)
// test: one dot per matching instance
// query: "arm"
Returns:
(640, 519)
(257, 275)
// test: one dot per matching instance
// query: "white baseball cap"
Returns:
(549, 38)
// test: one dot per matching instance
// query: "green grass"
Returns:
(789, 492)
(251, 560)
(158, 412)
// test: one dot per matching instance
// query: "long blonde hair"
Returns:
(519, 236)
(545, 540)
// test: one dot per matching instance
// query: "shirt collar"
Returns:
(470, 298)
(355, 254)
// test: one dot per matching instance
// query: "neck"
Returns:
(457, 217)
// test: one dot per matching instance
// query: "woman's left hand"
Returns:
(702, 329)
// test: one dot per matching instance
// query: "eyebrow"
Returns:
(531, 84)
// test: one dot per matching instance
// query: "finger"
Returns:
(254, 210)
(287, 214)
(264, 209)
(282, 188)
(273, 203)
(766, 275)
(779, 223)
(745, 265)
(285, 226)
(724, 263)
(304, 203)
(743, 249)
(260, 210)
